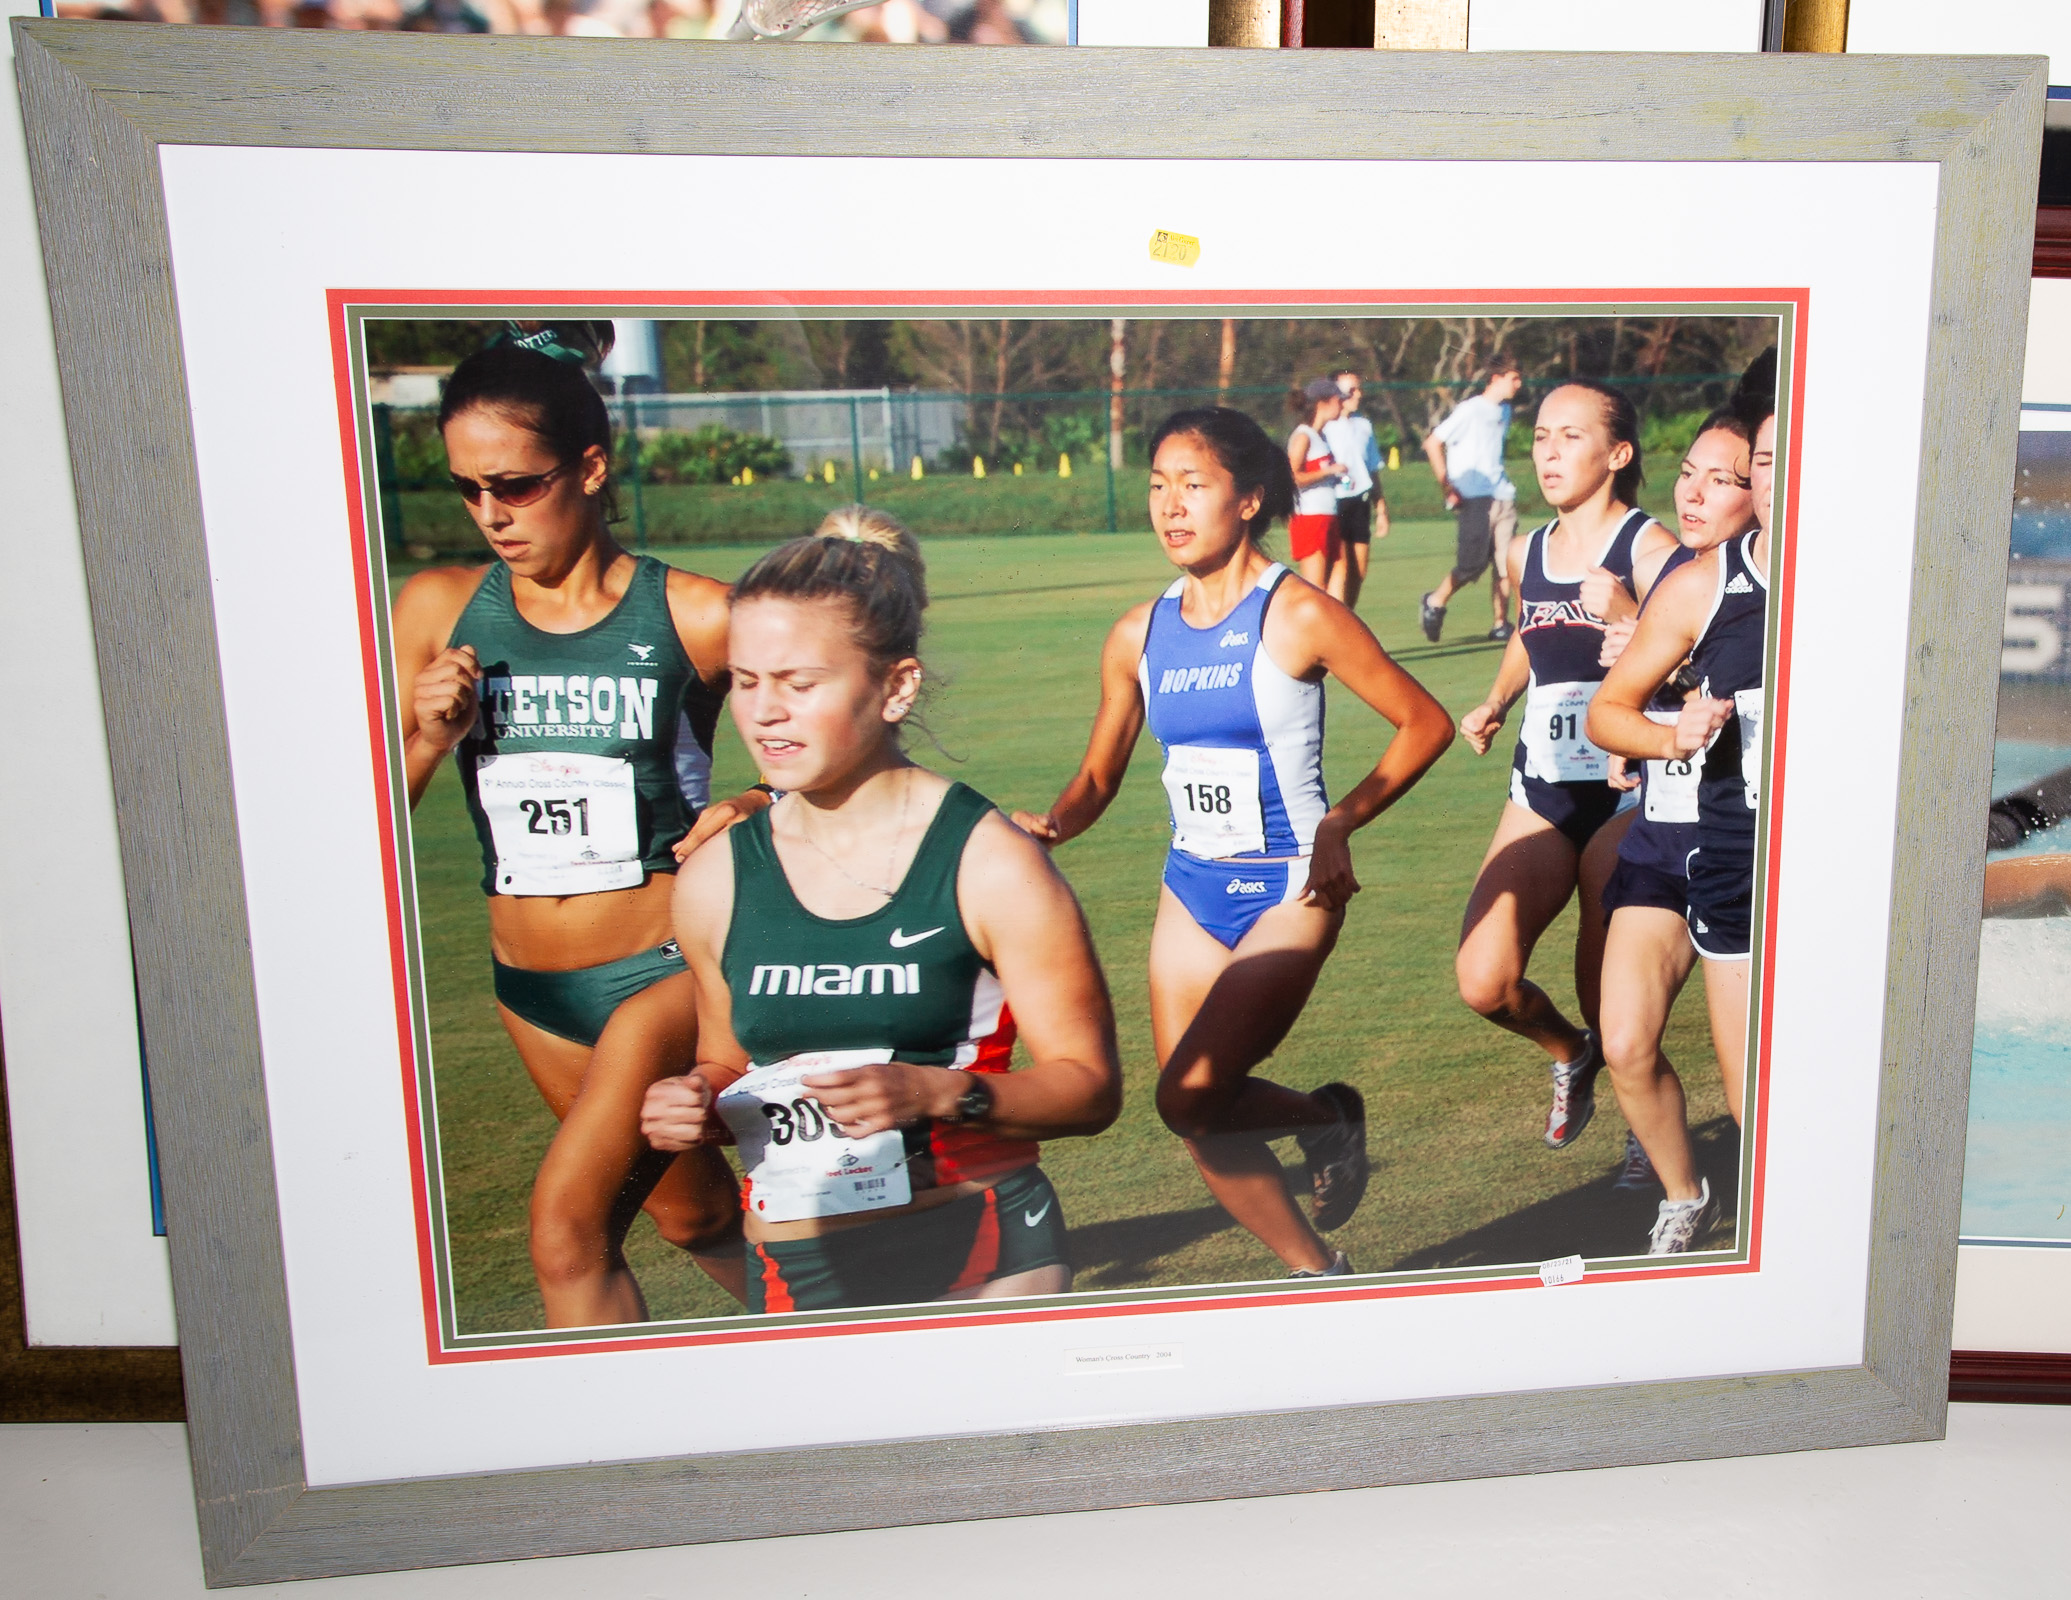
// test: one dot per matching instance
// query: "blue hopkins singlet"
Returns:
(1563, 641)
(1243, 741)
(1729, 662)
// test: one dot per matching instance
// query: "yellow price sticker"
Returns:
(1175, 249)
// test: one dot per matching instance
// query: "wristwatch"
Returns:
(975, 1104)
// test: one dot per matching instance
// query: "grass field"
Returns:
(1456, 1105)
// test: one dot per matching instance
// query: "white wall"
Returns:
(1714, 25)
(1180, 22)
(92, 1271)
(1973, 27)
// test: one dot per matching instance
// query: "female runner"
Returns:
(578, 688)
(1712, 612)
(856, 947)
(1561, 826)
(1312, 531)
(1228, 669)
(1647, 954)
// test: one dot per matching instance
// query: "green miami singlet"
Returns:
(591, 753)
(811, 994)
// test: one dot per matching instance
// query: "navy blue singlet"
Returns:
(1563, 641)
(1728, 660)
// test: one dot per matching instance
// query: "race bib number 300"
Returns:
(563, 824)
(1214, 795)
(1556, 738)
(799, 1163)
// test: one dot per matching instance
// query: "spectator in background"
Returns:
(1362, 511)
(1466, 453)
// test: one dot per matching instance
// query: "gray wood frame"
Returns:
(100, 98)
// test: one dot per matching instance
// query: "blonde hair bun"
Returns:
(860, 524)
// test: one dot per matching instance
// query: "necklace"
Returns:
(888, 889)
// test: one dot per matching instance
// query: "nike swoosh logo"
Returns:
(900, 939)
(1033, 1217)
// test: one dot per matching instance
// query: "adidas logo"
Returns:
(1232, 637)
(1740, 585)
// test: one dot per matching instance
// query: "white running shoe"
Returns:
(1638, 1171)
(1574, 1095)
(1340, 1267)
(1678, 1223)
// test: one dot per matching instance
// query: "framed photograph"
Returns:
(281, 313)
(2013, 1304)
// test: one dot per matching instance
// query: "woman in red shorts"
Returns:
(1312, 532)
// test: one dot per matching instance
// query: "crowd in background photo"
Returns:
(994, 22)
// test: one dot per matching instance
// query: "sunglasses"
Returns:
(516, 492)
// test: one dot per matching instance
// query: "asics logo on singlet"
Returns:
(1245, 886)
(832, 978)
(526, 706)
(1232, 637)
(1183, 680)
(1740, 585)
(1555, 614)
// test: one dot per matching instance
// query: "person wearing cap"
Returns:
(1466, 454)
(1312, 532)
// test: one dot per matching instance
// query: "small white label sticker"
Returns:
(1568, 1269)
(1122, 1358)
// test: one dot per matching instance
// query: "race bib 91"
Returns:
(1556, 743)
(1214, 796)
(799, 1163)
(563, 823)
(1672, 785)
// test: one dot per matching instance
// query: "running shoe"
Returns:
(1340, 1267)
(1574, 1095)
(1433, 617)
(1638, 1171)
(1679, 1222)
(1336, 1155)
(1501, 631)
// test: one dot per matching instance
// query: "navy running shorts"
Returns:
(1722, 898)
(1577, 809)
(918, 1256)
(1635, 883)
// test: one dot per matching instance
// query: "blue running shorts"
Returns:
(1228, 897)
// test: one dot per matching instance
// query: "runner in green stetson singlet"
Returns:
(577, 688)
(862, 951)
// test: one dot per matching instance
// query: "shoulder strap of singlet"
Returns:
(1272, 577)
(1535, 552)
(1744, 549)
(493, 591)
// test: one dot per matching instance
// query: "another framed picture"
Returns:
(975, 315)
(2013, 1304)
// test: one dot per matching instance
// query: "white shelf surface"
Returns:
(106, 1512)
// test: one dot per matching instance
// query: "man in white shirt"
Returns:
(1466, 454)
(1362, 510)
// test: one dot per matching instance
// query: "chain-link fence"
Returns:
(755, 467)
